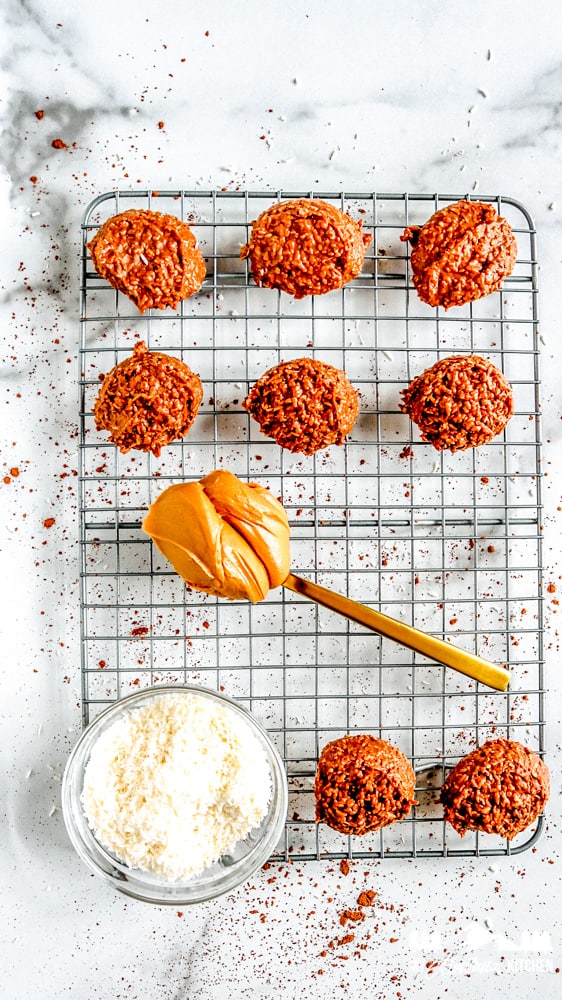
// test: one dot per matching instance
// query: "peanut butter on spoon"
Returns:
(231, 539)
(222, 536)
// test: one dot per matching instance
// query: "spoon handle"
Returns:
(436, 649)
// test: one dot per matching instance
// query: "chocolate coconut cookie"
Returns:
(304, 405)
(151, 257)
(147, 401)
(362, 784)
(462, 401)
(305, 247)
(464, 251)
(501, 787)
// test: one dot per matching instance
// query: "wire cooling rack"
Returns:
(448, 543)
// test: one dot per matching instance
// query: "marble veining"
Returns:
(406, 97)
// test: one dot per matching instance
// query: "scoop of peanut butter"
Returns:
(222, 536)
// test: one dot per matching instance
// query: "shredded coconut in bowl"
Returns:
(173, 785)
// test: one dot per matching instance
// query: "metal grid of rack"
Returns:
(448, 543)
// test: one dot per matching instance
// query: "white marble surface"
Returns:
(360, 96)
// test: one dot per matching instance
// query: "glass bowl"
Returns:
(230, 870)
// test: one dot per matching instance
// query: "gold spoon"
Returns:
(436, 649)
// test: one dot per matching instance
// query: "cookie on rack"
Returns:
(362, 784)
(151, 257)
(305, 405)
(461, 402)
(463, 252)
(305, 247)
(147, 401)
(501, 788)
